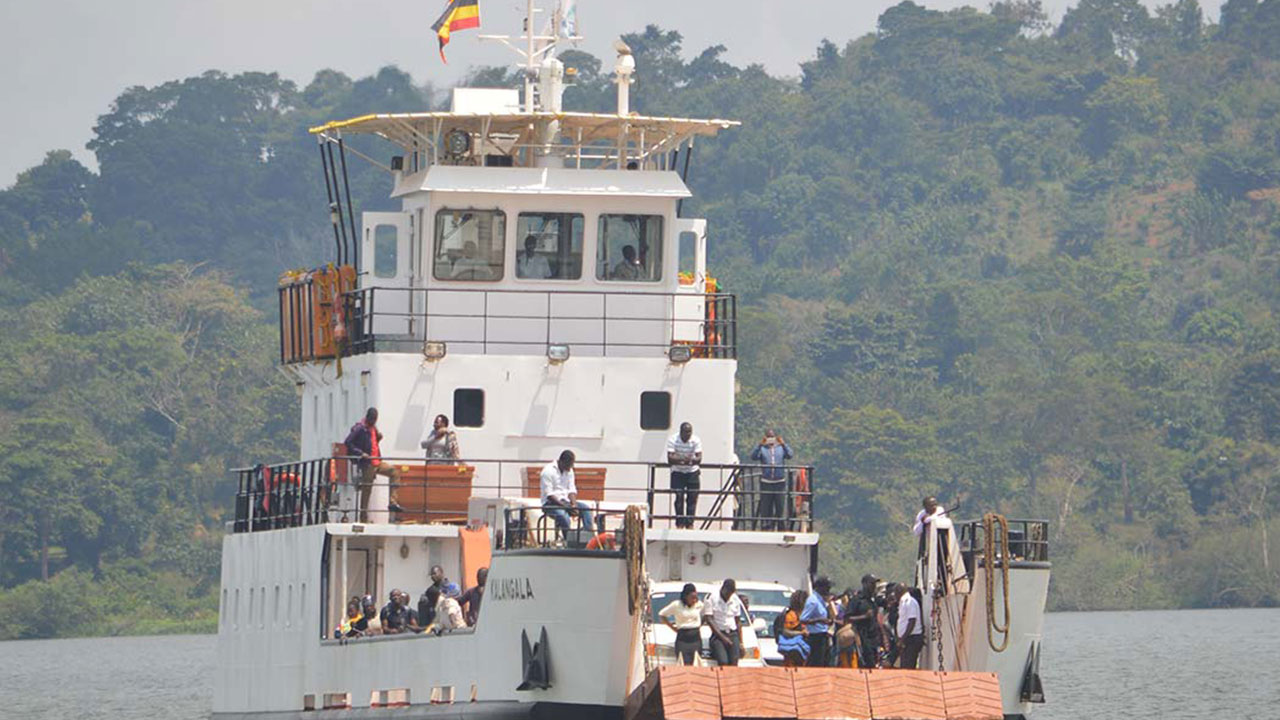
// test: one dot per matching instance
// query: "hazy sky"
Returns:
(65, 60)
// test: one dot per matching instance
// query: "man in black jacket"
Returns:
(362, 442)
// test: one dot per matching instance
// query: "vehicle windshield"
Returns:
(761, 597)
(768, 615)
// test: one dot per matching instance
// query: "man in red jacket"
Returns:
(362, 442)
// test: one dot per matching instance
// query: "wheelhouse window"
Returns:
(629, 248)
(550, 246)
(385, 247)
(688, 257)
(469, 245)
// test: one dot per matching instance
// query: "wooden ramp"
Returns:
(733, 693)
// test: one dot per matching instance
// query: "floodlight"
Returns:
(557, 353)
(680, 354)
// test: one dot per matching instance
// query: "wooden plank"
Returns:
(688, 693)
(906, 695)
(972, 696)
(756, 692)
(828, 693)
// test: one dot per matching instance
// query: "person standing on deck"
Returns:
(684, 616)
(471, 599)
(363, 442)
(442, 443)
(816, 618)
(864, 617)
(910, 629)
(684, 454)
(930, 510)
(773, 454)
(721, 612)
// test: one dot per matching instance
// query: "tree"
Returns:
(1103, 28)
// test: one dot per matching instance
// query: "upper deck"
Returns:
(523, 233)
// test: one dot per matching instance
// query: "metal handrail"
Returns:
(299, 493)
(717, 325)
(1028, 540)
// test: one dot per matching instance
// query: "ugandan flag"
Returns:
(458, 15)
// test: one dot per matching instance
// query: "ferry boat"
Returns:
(540, 287)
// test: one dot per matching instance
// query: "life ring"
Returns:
(604, 541)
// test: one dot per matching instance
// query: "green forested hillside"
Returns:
(1025, 267)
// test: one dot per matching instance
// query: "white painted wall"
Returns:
(270, 656)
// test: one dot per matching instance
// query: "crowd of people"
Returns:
(878, 626)
(442, 607)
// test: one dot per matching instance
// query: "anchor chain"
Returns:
(936, 623)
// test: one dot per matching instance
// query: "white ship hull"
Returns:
(271, 660)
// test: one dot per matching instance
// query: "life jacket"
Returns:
(270, 480)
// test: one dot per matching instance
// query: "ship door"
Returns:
(388, 271)
(690, 305)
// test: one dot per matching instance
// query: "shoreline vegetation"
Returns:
(1026, 267)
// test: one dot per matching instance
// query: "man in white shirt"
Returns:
(910, 629)
(529, 264)
(684, 453)
(560, 493)
(721, 612)
(931, 510)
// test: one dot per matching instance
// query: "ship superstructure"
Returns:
(539, 286)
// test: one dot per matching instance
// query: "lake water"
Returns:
(1185, 664)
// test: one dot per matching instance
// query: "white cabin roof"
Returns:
(408, 130)
(593, 138)
(544, 181)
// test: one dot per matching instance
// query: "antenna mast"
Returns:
(538, 48)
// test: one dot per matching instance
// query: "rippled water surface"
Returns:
(1144, 665)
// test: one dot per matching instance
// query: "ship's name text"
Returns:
(517, 588)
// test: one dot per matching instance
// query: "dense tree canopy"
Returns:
(1024, 267)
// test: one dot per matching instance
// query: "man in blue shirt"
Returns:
(772, 453)
(816, 617)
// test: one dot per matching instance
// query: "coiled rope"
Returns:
(989, 523)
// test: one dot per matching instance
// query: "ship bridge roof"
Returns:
(409, 129)
(590, 137)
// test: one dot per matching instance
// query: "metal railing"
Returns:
(293, 494)
(784, 504)
(322, 490)
(1028, 541)
(532, 528)
(601, 323)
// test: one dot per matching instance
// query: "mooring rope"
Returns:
(989, 523)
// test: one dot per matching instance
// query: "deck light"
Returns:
(434, 349)
(680, 354)
(557, 353)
